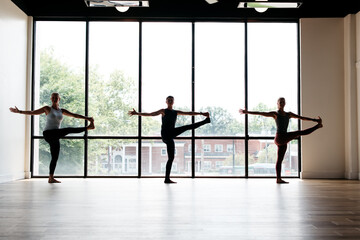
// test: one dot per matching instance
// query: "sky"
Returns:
(167, 59)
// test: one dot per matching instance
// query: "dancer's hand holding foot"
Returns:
(319, 120)
(91, 125)
(207, 115)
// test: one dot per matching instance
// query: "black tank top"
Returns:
(169, 119)
(282, 122)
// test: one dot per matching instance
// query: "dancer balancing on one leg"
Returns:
(52, 132)
(282, 137)
(169, 131)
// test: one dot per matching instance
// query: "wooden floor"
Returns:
(192, 209)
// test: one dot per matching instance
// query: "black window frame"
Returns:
(139, 137)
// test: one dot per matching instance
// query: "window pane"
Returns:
(59, 67)
(154, 158)
(219, 77)
(263, 157)
(166, 71)
(220, 157)
(113, 79)
(70, 162)
(113, 157)
(273, 72)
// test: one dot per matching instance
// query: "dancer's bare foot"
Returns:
(53, 180)
(280, 181)
(91, 125)
(320, 125)
(168, 181)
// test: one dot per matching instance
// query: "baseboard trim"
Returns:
(321, 175)
(352, 175)
(27, 174)
(11, 177)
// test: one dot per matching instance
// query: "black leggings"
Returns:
(282, 139)
(53, 138)
(168, 136)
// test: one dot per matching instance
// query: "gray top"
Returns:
(54, 119)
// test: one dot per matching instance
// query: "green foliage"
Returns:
(222, 123)
(70, 160)
(268, 154)
(109, 102)
(58, 77)
(258, 123)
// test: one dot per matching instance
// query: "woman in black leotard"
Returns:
(282, 136)
(169, 131)
(52, 132)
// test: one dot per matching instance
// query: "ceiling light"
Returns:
(211, 1)
(261, 10)
(122, 9)
(261, 4)
(120, 5)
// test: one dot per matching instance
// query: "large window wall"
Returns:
(104, 69)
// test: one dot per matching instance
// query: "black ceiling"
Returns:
(187, 9)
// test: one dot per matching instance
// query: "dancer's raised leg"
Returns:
(53, 138)
(310, 130)
(296, 134)
(179, 130)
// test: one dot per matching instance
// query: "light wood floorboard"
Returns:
(192, 209)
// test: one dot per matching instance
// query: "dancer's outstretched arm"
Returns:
(74, 115)
(264, 114)
(293, 115)
(152, 114)
(205, 114)
(45, 109)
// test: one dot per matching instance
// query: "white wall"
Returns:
(357, 66)
(350, 91)
(13, 91)
(322, 85)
